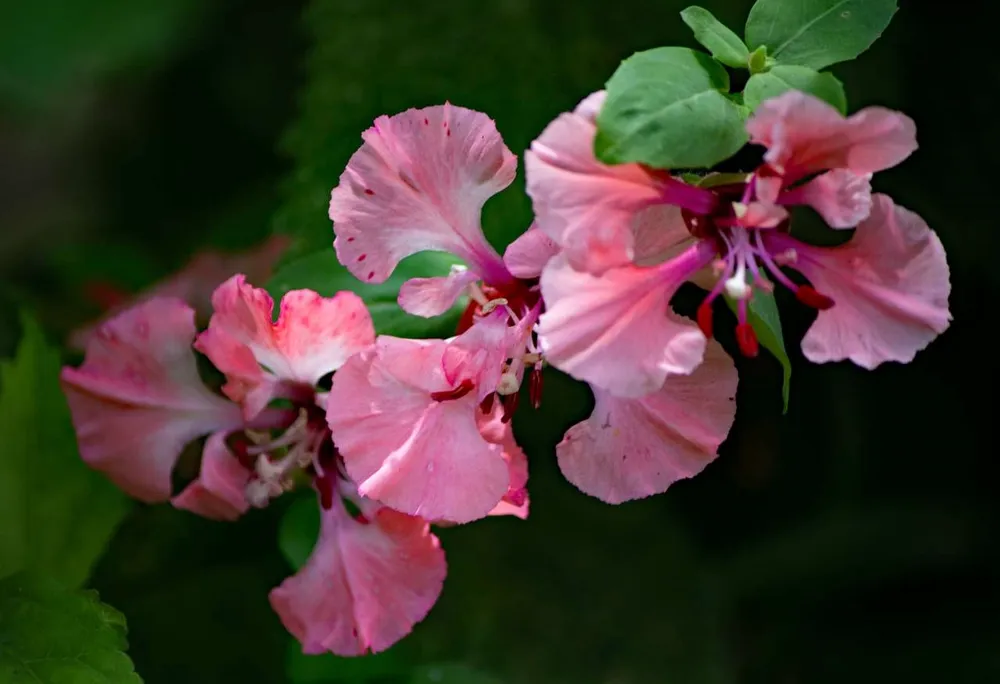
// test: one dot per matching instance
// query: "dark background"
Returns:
(851, 539)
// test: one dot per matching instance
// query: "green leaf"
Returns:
(322, 273)
(817, 33)
(49, 635)
(56, 514)
(784, 77)
(720, 40)
(666, 108)
(762, 314)
(758, 60)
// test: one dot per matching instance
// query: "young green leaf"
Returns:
(56, 514)
(784, 77)
(322, 273)
(817, 33)
(666, 108)
(49, 634)
(725, 46)
(762, 314)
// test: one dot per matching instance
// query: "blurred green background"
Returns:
(851, 539)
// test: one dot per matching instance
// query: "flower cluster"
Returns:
(418, 432)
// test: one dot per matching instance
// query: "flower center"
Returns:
(745, 265)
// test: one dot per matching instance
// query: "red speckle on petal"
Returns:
(362, 258)
(426, 122)
(371, 274)
(369, 191)
(448, 133)
(350, 239)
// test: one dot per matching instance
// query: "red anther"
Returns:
(510, 402)
(810, 297)
(535, 387)
(705, 318)
(325, 487)
(486, 405)
(746, 338)
(360, 517)
(239, 445)
(464, 388)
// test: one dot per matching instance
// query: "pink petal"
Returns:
(842, 198)
(313, 335)
(633, 448)
(430, 297)
(659, 234)
(585, 206)
(890, 287)
(404, 448)
(515, 502)
(195, 282)
(527, 255)
(419, 183)
(218, 493)
(616, 331)
(137, 400)
(803, 135)
(365, 585)
(479, 353)
(246, 383)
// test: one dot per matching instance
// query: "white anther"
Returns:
(737, 288)
(257, 493)
(739, 209)
(491, 305)
(268, 471)
(508, 384)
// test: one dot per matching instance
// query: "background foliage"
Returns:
(852, 538)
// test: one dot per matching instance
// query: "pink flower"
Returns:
(262, 359)
(195, 282)
(616, 331)
(590, 209)
(890, 283)
(527, 255)
(368, 581)
(403, 415)
(137, 400)
(633, 448)
(219, 492)
(419, 183)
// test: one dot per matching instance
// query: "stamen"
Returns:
(464, 388)
(508, 384)
(510, 402)
(705, 317)
(492, 305)
(746, 338)
(535, 386)
(808, 295)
